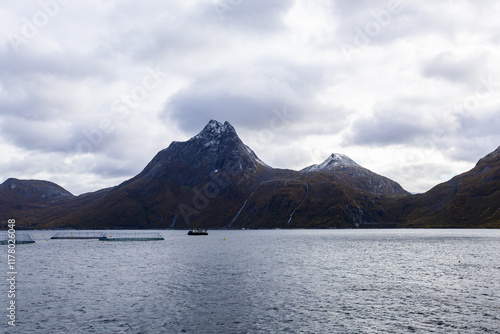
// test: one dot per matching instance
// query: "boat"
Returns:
(198, 231)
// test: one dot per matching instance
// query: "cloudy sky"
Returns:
(91, 90)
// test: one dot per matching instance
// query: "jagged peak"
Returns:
(215, 129)
(335, 160)
(340, 159)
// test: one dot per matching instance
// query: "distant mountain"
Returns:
(32, 192)
(214, 180)
(471, 199)
(333, 163)
(202, 178)
(26, 198)
(215, 149)
(18, 195)
(353, 175)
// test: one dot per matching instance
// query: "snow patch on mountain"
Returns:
(214, 130)
(253, 155)
(334, 161)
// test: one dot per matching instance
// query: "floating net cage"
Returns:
(131, 236)
(78, 235)
(21, 238)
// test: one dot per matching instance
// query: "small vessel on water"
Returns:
(198, 231)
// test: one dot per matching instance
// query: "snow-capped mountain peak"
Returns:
(334, 161)
(350, 173)
(215, 129)
(214, 132)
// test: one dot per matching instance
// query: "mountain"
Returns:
(24, 195)
(471, 199)
(32, 192)
(353, 175)
(215, 149)
(333, 163)
(208, 174)
(214, 180)
(27, 198)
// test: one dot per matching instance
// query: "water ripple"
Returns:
(308, 281)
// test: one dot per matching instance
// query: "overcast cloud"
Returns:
(91, 91)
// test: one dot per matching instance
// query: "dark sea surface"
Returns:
(263, 281)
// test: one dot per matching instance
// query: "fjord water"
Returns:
(263, 281)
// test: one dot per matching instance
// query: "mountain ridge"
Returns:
(470, 198)
(216, 181)
(364, 179)
(334, 161)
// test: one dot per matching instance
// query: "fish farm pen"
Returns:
(131, 236)
(78, 235)
(21, 238)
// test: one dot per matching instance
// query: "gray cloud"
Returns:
(403, 121)
(188, 107)
(259, 16)
(385, 131)
(476, 136)
(378, 23)
(241, 61)
(453, 69)
(68, 65)
(248, 97)
(36, 135)
(113, 168)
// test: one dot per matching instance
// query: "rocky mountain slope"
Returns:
(21, 198)
(351, 174)
(32, 192)
(471, 199)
